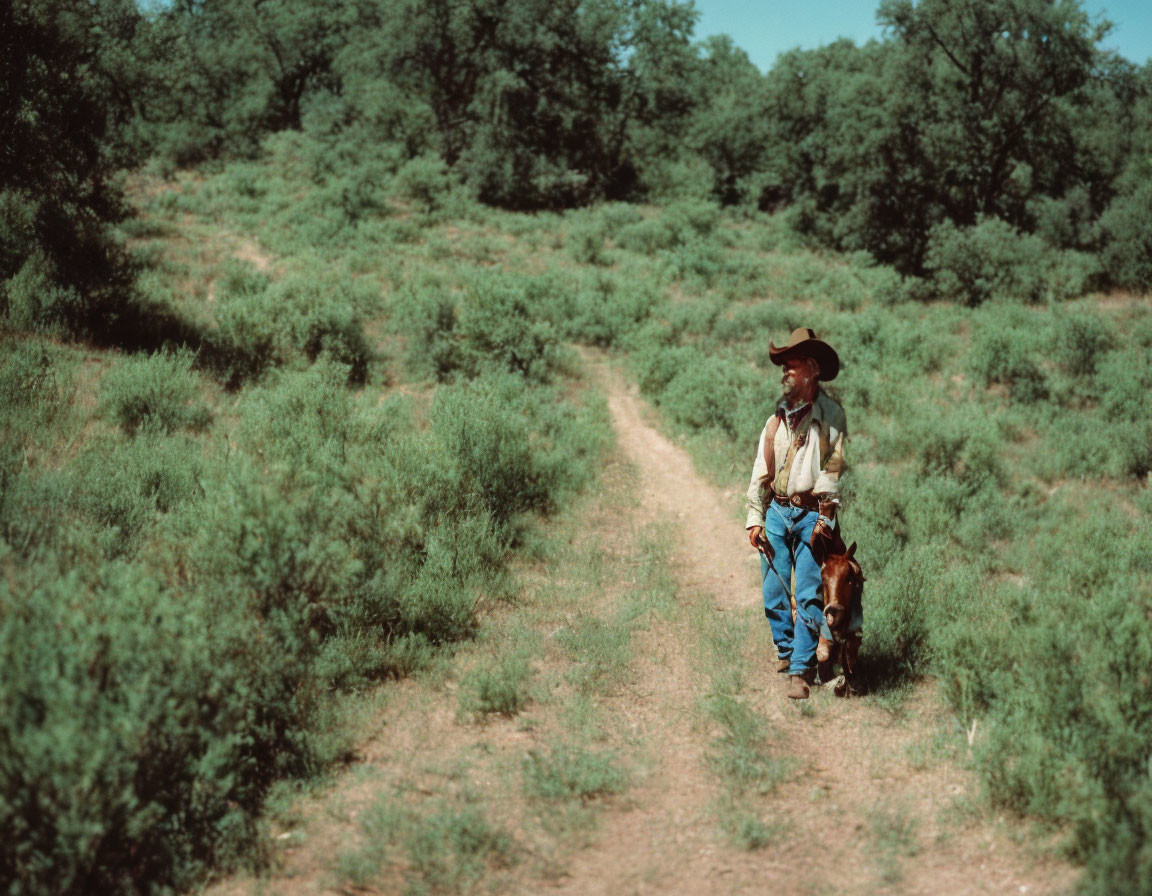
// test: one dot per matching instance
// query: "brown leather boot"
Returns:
(797, 688)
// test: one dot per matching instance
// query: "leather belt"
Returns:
(807, 500)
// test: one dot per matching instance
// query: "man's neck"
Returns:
(795, 402)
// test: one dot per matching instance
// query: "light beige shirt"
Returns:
(818, 463)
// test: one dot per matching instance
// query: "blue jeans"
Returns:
(789, 530)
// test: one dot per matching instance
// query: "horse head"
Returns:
(843, 582)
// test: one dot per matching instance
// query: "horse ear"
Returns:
(851, 550)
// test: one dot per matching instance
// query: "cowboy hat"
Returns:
(804, 344)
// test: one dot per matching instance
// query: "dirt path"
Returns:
(872, 800)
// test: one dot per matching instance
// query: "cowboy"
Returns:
(792, 498)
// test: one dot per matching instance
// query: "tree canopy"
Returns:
(965, 113)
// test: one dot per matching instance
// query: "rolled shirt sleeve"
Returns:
(828, 482)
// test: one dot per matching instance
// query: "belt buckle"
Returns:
(795, 499)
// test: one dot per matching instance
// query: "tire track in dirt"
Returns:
(667, 840)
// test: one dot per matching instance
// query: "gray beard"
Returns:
(791, 397)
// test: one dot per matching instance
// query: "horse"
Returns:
(842, 581)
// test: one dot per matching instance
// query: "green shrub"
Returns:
(712, 393)
(425, 180)
(572, 773)
(36, 299)
(846, 287)
(695, 218)
(691, 321)
(427, 318)
(1063, 706)
(497, 686)
(1079, 343)
(704, 262)
(497, 325)
(964, 446)
(1072, 274)
(1006, 353)
(33, 396)
(461, 572)
(323, 320)
(120, 487)
(357, 193)
(32, 525)
(248, 324)
(648, 236)
(586, 239)
(603, 311)
(390, 531)
(752, 323)
(890, 353)
(157, 391)
(617, 215)
(1127, 239)
(262, 325)
(991, 261)
(487, 429)
(656, 361)
(357, 513)
(142, 729)
(900, 605)
(874, 515)
(681, 224)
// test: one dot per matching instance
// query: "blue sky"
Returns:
(766, 28)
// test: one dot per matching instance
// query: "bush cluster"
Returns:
(991, 261)
(496, 325)
(1127, 238)
(263, 324)
(1057, 675)
(157, 391)
(176, 618)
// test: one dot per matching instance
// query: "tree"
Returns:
(731, 129)
(536, 102)
(968, 110)
(1124, 229)
(59, 265)
(224, 73)
(986, 77)
(833, 141)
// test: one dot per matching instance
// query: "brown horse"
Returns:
(843, 587)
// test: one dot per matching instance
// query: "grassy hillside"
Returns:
(205, 544)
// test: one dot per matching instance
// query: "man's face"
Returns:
(798, 375)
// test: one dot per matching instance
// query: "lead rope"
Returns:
(772, 567)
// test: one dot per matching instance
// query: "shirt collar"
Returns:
(815, 406)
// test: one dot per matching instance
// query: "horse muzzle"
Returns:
(836, 616)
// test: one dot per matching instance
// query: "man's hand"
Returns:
(757, 540)
(827, 512)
